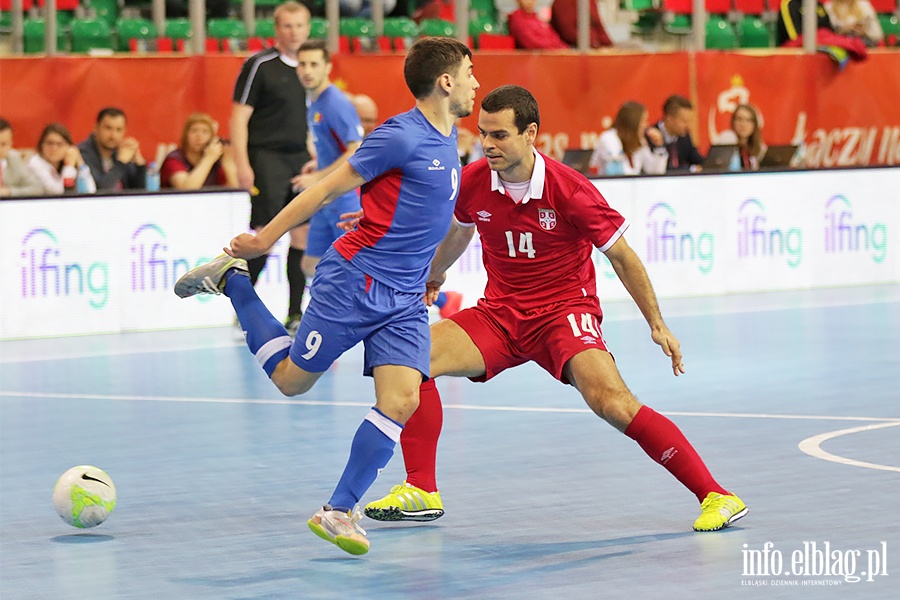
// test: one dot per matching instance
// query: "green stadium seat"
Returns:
(104, 10)
(480, 25)
(90, 34)
(719, 34)
(401, 31)
(890, 24)
(753, 33)
(318, 28)
(637, 5)
(437, 28)
(356, 27)
(178, 29)
(265, 28)
(226, 29)
(484, 8)
(679, 25)
(133, 29)
(34, 36)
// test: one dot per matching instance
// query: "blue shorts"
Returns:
(323, 229)
(347, 306)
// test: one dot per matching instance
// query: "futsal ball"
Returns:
(84, 496)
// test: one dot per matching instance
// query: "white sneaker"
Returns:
(209, 278)
(341, 529)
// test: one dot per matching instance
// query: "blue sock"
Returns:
(372, 448)
(267, 338)
(441, 300)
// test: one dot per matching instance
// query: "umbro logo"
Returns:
(436, 166)
(483, 215)
(589, 339)
(668, 455)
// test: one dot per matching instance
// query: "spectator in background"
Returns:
(746, 133)
(624, 150)
(215, 9)
(57, 162)
(529, 31)
(367, 111)
(675, 127)
(564, 19)
(855, 18)
(789, 25)
(201, 159)
(16, 179)
(363, 8)
(115, 161)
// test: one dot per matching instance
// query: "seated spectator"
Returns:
(675, 127)
(367, 111)
(746, 133)
(564, 19)
(16, 179)
(789, 25)
(529, 31)
(57, 161)
(115, 161)
(623, 149)
(201, 159)
(855, 18)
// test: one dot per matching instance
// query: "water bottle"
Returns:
(615, 166)
(735, 163)
(152, 178)
(83, 180)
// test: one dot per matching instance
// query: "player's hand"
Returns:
(350, 220)
(246, 246)
(433, 288)
(311, 166)
(670, 346)
(302, 182)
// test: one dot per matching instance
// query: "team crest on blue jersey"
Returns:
(546, 218)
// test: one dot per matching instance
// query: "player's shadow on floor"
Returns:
(82, 538)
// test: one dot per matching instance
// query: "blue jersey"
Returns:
(334, 123)
(412, 173)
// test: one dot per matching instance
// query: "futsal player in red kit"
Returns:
(539, 222)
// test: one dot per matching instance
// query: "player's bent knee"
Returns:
(291, 380)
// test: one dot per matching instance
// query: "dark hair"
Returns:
(674, 103)
(429, 58)
(57, 128)
(524, 106)
(316, 45)
(754, 142)
(4, 124)
(110, 111)
(626, 125)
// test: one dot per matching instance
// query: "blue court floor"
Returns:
(793, 399)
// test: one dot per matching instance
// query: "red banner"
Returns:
(849, 117)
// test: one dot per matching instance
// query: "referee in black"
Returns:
(268, 132)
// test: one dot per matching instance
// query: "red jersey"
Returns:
(538, 252)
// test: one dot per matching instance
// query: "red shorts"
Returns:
(549, 336)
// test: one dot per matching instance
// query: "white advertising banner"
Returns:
(107, 264)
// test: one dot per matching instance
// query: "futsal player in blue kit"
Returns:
(336, 132)
(369, 285)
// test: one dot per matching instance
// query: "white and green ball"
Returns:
(84, 496)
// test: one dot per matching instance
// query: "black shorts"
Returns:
(272, 171)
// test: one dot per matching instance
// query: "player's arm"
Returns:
(448, 252)
(300, 209)
(634, 277)
(309, 179)
(240, 120)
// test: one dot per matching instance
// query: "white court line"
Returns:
(812, 446)
(525, 409)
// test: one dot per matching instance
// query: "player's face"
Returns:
(462, 94)
(109, 132)
(680, 122)
(312, 70)
(291, 31)
(507, 151)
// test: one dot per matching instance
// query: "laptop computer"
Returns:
(578, 159)
(719, 157)
(778, 157)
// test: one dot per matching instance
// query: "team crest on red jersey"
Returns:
(546, 218)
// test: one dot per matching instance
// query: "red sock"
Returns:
(663, 442)
(420, 437)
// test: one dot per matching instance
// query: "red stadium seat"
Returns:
(884, 7)
(6, 5)
(750, 7)
(496, 41)
(686, 7)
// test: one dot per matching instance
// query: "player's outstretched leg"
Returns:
(417, 498)
(267, 338)
(664, 442)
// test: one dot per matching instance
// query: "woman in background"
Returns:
(201, 159)
(855, 18)
(623, 149)
(745, 125)
(57, 162)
